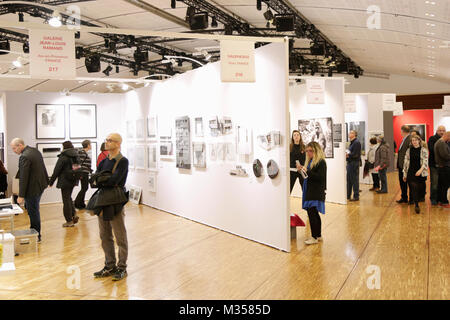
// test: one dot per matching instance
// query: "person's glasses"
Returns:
(110, 140)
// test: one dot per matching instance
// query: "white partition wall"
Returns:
(334, 108)
(361, 115)
(441, 118)
(254, 208)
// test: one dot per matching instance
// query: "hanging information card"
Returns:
(389, 101)
(446, 105)
(398, 108)
(52, 54)
(350, 103)
(237, 59)
(315, 91)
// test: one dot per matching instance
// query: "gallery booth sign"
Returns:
(237, 61)
(52, 54)
(315, 91)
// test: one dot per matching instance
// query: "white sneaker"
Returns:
(311, 241)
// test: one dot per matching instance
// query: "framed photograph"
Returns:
(421, 128)
(139, 157)
(140, 129)
(82, 121)
(50, 152)
(183, 143)
(130, 157)
(166, 149)
(93, 153)
(135, 194)
(152, 182)
(152, 126)
(199, 127)
(319, 130)
(50, 121)
(152, 156)
(199, 149)
(131, 129)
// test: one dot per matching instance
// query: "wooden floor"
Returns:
(175, 258)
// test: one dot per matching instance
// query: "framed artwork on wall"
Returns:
(421, 128)
(50, 121)
(50, 152)
(152, 154)
(135, 194)
(152, 182)
(82, 121)
(199, 151)
(139, 157)
(319, 130)
(152, 126)
(131, 129)
(183, 143)
(140, 129)
(130, 157)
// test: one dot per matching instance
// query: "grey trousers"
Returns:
(117, 225)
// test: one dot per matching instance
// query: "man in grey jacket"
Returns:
(406, 141)
(33, 179)
(442, 158)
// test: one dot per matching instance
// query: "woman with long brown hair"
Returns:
(314, 187)
(297, 153)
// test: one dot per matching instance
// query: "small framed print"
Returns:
(82, 121)
(50, 121)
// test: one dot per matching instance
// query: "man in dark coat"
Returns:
(432, 165)
(406, 141)
(353, 160)
(33, 179)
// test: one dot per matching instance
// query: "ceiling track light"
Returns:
(107, 70)
(214, 23)
(268, 15)
(258, 5)
(21, 17)
(173, 4)
(26, 47)
(55, 20)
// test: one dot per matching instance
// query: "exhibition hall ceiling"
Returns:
(407, 37)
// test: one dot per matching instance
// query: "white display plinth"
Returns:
(7, 240)
(7, 269)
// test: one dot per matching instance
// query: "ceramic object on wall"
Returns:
(272, 169)
(257, 168)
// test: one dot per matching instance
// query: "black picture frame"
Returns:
(72, 125)
(49, 136)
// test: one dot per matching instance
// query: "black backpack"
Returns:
(75, 173)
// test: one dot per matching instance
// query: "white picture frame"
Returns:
(140, 129)
(82, 121)
(199, 154)
(152, 157)
(135, 194)
(139, 157)
(130, 157)
(152, 182)
(152, 127)
(131, 129)
(50, 121)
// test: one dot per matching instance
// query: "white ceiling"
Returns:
(410, 41)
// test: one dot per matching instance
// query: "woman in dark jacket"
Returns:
(297, 153)
(314, 187)
(66, 182)
(382, 163)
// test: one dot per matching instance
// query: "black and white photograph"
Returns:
(270, 140)
(199, 127)
(212, 147)
(183, 142)
(421, 128)
(319, 130)
(83, 121)
(152, 126)
(50, 121)
(214, 127)
(130, 157)
(199, 152)
(166, 148)
(140, 129)
(360, 128)
(135, 194)
(152, 154)
(50, 152)
(243, 140)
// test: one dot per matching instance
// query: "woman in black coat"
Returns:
(314, 187)
(297, 153)
(66, 182)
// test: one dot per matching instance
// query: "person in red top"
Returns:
(103, 154)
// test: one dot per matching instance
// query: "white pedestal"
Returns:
(7, 240)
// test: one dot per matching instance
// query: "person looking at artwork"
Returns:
(111, 218)
(404, 145)
(442, 159)
(432, 164)
(382, 163)
(67, 161)
(297, 153)
(314, 186)
(3, 180)
(86, 164)
(415, 169)
(103, 154)
(371, 163)
(33, 180)
(353, 159)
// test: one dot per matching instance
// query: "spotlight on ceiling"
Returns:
(258, 5)
(173, 4)
(140, 56)
(214, 23)
(107, 70)
(79, 52)
(4, 45)
(21, 17)
(284, 22)
(190, 11)
(317, 49)
(199, 21)
(228, 30)
(26, 47)
(55, 20)
(77, 35)
(92, 63)
(268, 15)
(330, 72)
(180, 63)
(117, 69)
